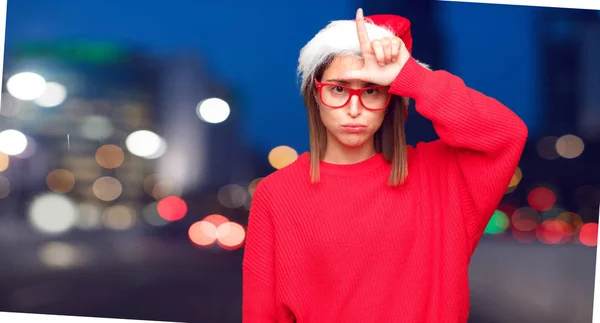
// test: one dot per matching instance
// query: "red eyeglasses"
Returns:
(336, 95)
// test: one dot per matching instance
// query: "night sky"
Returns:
(254, 47)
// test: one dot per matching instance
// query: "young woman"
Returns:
(365, 228)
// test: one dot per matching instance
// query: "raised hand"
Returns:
(384, 58)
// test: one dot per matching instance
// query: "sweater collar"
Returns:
(347, 170)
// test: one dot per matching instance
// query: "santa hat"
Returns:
(340, 38)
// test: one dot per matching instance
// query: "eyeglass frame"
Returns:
(353, 92)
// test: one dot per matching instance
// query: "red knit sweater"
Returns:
(353, 249)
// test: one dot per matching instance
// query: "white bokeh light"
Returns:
(213, 110)
(58, 254)
(26, 86)
(162, 149)
(54, 94)
(12, 142)
(145, 144)
(96, 127)
(52, 213)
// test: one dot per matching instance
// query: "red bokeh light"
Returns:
(172, 208)
(216, 219)
(588, 234)
(554, 232)
(541, 198)
(525, 219)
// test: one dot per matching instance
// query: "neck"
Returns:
(337, 153)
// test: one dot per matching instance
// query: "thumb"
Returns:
(352, 75)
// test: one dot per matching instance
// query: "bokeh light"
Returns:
(60, 181)
(202, 233)
(95, 127)
(230, 235)
(588, 235)
(54, 94)
(4, 162)
(162, 149)
(282, 156)
(145, 144)
(569, 146)
(107, 188)
(30, 149)
(525, 219)
(26, 86)
(12, 142)
(541, 198)
(498, 223)
(572, 219)
(213, 110)
(554, 232)
(149, 183)
(58, 255)
(151, 216)
(52, 213)
(90, 216)
(232, 196)
(216, 219)
(110, 156)
(253, 184)
(172, 208)
(514, 181)
(119, 217)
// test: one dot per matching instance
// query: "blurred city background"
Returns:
(133, 133)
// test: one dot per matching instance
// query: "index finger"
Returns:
(361, 29)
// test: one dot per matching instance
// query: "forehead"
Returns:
(342, 63)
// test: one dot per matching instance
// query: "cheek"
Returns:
(376, 118)
(329, 117)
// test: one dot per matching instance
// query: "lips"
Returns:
(354, 127)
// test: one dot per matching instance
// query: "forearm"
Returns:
(461, 116)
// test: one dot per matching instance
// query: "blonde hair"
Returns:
(390, 139)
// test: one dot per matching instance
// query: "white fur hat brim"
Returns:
(338, 38)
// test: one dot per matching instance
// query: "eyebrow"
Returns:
(344, 82)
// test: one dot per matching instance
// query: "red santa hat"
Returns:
(340, 38)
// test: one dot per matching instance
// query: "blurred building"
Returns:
(200, 117)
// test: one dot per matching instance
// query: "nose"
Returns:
(354, 107)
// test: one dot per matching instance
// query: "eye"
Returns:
(372, 91)
(338, 89)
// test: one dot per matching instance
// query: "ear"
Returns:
(315, 93)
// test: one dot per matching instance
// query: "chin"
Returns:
(352, 142)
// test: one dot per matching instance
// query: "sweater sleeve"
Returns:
(258, 299)
(480, 135)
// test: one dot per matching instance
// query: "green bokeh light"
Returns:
(498, 223)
